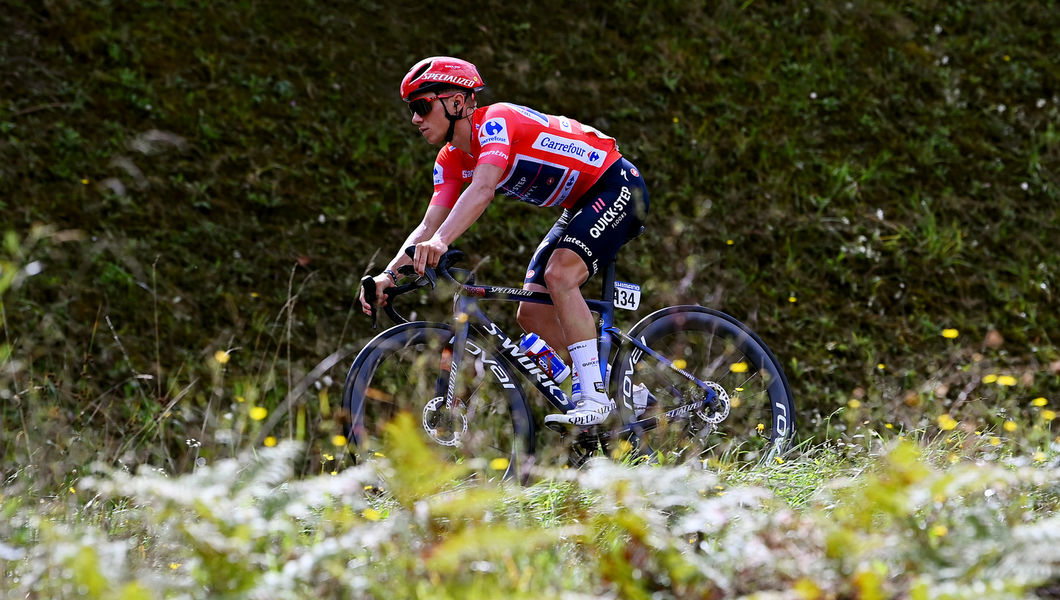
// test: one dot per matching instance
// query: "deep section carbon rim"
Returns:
(729, 358)
(403, 369)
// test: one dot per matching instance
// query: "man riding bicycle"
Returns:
(546, 161)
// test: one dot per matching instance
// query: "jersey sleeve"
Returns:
(496, 137)
(448, 179)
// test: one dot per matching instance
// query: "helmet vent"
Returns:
(421, 71)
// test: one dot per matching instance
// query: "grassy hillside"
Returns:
(850, 178)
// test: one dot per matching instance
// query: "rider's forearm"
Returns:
(431, 221)
(420, 233)
(469, 207)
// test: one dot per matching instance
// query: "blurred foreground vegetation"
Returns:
(190, 192)
(943, 519)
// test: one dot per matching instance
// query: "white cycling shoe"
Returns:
(591, 412)
(642, 399)
(586, 412)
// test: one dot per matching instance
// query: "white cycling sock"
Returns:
(586, 359)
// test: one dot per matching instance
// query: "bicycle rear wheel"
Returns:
(754, 417)
(406, 369)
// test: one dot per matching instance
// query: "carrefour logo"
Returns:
(568, 147)
(493, 131)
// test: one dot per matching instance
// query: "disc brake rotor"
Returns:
(720, 411)
(446, 426)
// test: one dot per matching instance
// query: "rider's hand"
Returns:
(428, 253)
(382, 281)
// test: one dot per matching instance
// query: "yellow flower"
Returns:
(889, 426)
(740, 367)
(939, 531)
(1039, 456)
(881, 366)
(73, 491)
(1010, 426)
(501, 463)
(1048, 415)
(258, 413)
(1006, 380)
(371, 514)
(1039, 402)
(338, 440)
(995, 441)
(806, 589)
(84, 182)
(270, 442)
(991, 378)
(760, 427)
(327, 456)
(854, 403)
(240, 399)
(730, 242)
(680, 363)
(676, 120)
(946, 422)
(174, 565)
(950, 333)
(792, 299)
(779, 460)
(221, 356)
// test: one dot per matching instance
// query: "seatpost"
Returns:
(608, 294)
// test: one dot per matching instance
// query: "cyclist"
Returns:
(544, 160)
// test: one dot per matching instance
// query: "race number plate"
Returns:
(627, 295)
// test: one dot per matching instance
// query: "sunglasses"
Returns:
(422, 106)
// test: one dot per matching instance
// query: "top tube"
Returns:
(493, 292)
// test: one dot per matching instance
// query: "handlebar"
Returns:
(429, 278)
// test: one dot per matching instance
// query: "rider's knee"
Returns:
(565, 271)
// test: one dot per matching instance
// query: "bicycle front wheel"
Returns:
(752, 415)
(406, 369)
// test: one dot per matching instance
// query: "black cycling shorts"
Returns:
(604, 219)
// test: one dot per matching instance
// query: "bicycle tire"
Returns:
(715, 347)
(399, 370)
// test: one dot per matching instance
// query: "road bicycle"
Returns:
(714, 387)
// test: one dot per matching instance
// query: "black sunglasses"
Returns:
(422, 106)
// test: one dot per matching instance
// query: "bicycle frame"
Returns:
(469, 315)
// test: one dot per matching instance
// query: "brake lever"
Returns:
(368, 284)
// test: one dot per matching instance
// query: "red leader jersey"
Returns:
(547, 160)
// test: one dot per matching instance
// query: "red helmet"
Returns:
(440, 72)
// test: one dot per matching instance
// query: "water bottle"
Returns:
(533, 346)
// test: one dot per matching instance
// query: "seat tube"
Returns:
(607, 317)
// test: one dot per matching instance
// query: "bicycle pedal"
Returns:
(562, 429)
(565, 429)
